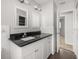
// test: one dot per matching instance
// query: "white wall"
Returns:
(69, 28)
(47, 21)
(47, 18)
(8, 14)
(8, 8)
(75, 41)
(69, 5)
(5, 42)
(66, 7)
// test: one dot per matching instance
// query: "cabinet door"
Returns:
(30, 56)
(39, 51)
(49, 45)
(45, 49)
(33, 51)
(39, 54)
(28, 51)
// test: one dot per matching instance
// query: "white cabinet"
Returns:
(33, 51)
(47, 47)
(30, 56)
(37, 50)
(28, 52)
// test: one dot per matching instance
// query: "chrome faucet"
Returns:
(24, 35)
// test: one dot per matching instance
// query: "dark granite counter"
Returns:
(22, 43)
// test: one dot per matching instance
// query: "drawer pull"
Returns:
(36, 50)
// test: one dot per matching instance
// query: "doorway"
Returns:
(65, 31)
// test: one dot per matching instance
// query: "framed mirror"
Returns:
(21, 17)
(36, 19)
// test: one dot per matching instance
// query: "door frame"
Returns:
(61, 14)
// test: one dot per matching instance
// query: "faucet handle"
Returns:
(24, 35)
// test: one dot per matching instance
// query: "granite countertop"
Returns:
(22, 43)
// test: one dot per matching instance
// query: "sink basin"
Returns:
(27, 38)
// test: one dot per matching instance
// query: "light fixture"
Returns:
(62, 2)
(26, 1)
(39, 9)
(22, 1)
(35, 6)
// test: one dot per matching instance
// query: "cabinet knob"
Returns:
(36, 50)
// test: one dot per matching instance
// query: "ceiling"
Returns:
(58, 2)
(42, 2)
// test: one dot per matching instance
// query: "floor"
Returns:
(63, 54)
(64, 45)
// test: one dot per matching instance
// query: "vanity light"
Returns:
(37, 8)
(22, 1)
(63, 2)
(26, 1)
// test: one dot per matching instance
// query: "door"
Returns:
(39, 51)
(49, 46)
(28, 51)
(46, 48)
(65, 31)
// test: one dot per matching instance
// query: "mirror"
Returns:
(36, 19)
(27, 19)
(21, 17)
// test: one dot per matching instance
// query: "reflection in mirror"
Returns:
(21, 21)
(21, 17)
(36, 19)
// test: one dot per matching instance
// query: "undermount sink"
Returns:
(28, 38)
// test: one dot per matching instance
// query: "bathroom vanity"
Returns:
(37, 48)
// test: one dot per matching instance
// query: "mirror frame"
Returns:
(16, 23)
